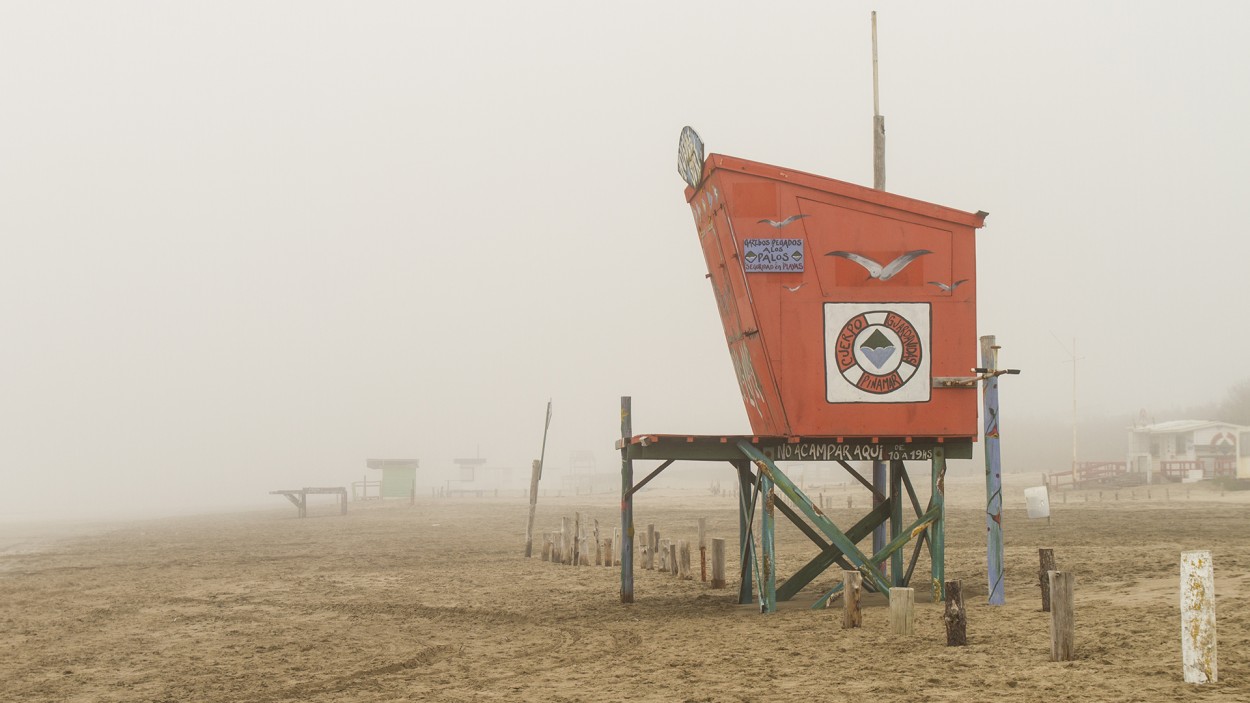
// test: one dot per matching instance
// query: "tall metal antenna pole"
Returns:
(879, 479)
(878, 121)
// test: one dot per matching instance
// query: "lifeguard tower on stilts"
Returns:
(850, 316)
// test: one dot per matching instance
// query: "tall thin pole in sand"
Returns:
(536, 473)
(627, 503)
(879, 479)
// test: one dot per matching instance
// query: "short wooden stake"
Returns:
(1062, 621)
(718, 563)
(703, 549)
(673, 567)
(683, 556)
(902, 611)
(649, 561)
(598, 546)
(546, 546)
(1047, 559)
(852, 588)
(956, 617)
(577, 538)
(1198, 618)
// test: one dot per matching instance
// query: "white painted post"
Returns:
(1198, 617)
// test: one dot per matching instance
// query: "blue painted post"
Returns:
(993, 474)
(880, 488)
(627, 505)
(767, 545)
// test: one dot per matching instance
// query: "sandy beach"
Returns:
(436, 602)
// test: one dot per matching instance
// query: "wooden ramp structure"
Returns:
(299, 497)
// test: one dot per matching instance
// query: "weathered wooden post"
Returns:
(649, 562)
(1047, 559)
(536, 469)
(607, 552)
(598, 545)
(566, 550)
(673, 567)
(683, 556)
(902, 610)
(955, 616)
(703, 549)
(627, 504)
(718, 563)
(577, 538)
(1062, 621)
(1198, 618)
(852, 587)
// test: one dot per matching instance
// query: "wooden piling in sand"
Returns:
(1062, 622)
(902, 611)
(674, 567)
(1198, 658)
(598, 546)
(566, 549)
(546, 546)
(649, 561)
(1046, 558)
(852, 589)
(956, 617)
(703, 549)
(577, 538)
(718, 563)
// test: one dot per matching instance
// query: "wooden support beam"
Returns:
(877, 497)
(768, 546)
(937, 530)
(832, 554)
(650, 476)
(911, 491)
(956, 617)
(896, 520)
(746, 542)
(767, 467)
(1062, 621)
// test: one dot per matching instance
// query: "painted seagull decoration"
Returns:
(778, 225)
(876, 270)
(951, 288)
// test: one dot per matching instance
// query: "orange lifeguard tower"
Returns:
(850, 317)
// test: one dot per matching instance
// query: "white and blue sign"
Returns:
(772, 255)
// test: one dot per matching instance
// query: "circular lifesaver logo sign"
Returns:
(876, 353)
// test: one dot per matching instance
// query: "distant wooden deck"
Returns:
(299, 497)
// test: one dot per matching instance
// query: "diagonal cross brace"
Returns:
(831, 554)
(824, 524)
(918, 527)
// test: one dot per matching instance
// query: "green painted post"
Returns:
(627, 504)
(746, 546)
(767, 527)
(937, 531)
(896, 520)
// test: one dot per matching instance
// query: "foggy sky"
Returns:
(248, 245)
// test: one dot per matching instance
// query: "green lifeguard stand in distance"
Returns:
(399, 476)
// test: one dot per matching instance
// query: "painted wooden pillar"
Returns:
(746, 546)
(768, 546)
(993, 474)
(937, 530)
(896, 520)
(627, 504)
(880, 487)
